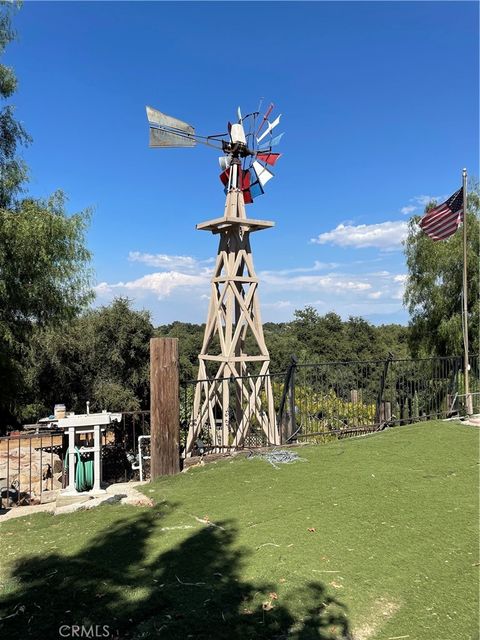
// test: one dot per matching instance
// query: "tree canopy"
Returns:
(101, 356)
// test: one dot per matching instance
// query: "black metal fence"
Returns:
(320, 401)
(311, 403)
(31, 467)
(32, 464)
(345, 398)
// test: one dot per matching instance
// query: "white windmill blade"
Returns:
(160, 119)
(271, 127)
(263, 174)
(239, 114)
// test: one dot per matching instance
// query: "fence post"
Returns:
(164, 407)
(292, 423)
(286, 423)
(383, 381)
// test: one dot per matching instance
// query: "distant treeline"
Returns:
(103, 356)
(309, 336)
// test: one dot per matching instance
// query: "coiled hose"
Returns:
(83, 471)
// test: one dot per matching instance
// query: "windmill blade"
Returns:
(160, 119)
(245, 186)
(271, 127)
(224, 177)
(272, 143)
(265, 117)
(161, 138)
(247, 196)
(256, 188)
(268, 158)
(224, 162)
(263, 174)
(239, 115)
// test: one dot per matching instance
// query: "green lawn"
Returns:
(369, 538)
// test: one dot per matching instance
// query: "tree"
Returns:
(13, 171)
(101, 356)
(434, 286)
(44, 274)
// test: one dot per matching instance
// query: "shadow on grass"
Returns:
(194, 590)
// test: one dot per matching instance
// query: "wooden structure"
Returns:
(164, 407)
(233, 390)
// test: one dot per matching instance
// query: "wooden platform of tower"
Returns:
(233, 394)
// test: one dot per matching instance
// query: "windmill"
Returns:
(233, 390)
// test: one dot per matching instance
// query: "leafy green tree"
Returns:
(320, 337)
(435, 282)
(44, 281)
(393, 338)
(282, 344)
(13, 171)
(101, 356)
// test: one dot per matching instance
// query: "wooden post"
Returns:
(164, 407)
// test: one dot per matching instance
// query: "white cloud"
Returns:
(168, 262)
(408, 209)
(181, 292)
(330, 282)
(383, 235)
(338, 291)
(280, 304)
(420, 202)
(400, 280)
(161, 284)
(317, 266)
(424, 200)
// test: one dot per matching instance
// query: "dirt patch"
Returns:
(381, 611)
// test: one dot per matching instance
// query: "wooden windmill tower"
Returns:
(233, 394)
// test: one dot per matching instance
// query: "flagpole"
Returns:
(468, 397)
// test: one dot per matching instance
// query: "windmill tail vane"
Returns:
(247, 158)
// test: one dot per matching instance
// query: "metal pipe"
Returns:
(468, 399)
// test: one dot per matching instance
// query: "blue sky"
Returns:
(380, 112)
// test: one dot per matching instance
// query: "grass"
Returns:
(373, 538)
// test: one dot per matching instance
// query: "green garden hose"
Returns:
(83, 472)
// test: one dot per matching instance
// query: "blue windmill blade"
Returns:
(256, 188)
(273, 143)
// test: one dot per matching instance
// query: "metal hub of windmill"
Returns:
(233, 396)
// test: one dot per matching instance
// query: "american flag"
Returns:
(442, 222)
